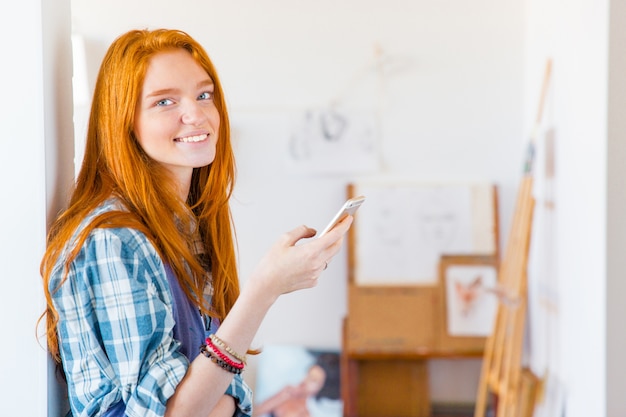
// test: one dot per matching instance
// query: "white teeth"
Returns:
(188, 139)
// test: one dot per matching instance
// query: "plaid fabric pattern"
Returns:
(116, 327)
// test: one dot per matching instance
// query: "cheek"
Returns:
(212, 113)
(151, 140)
(141, 131)
(152, 132)
(215, 118)
(215, 123)
(142, 136)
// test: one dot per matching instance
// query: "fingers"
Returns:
(304, 232)
(341, 228)
(331, 242)
(289, 266)
(300, 232)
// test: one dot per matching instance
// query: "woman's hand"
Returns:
(290, 267)
(286, 267)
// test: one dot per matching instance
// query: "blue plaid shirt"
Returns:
(122, 350)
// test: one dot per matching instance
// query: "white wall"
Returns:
(451, 109)
(36, 127)
(587, 114)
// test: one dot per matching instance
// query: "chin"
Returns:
(204, 161)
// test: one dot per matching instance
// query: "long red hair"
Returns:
(115, 164)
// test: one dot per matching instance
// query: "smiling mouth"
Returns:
(192, 139)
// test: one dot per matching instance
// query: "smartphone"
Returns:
(348, 208)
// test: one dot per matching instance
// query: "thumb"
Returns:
(300, 232)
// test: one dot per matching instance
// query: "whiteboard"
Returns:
(403, 229)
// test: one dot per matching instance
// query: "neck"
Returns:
(183, 182)
(183, 189)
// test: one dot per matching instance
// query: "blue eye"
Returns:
(164, 102)
(207, 95)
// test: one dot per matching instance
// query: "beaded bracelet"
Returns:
(223, 356)
(220, 343)
(219, 362)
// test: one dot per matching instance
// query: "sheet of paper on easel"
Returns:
(404, 229)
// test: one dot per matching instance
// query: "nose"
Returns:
(192, 113)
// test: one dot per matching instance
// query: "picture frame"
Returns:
(469, 291)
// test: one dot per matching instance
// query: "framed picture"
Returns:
(295, 381)
(469, 288)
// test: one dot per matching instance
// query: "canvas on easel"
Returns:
(406, 226)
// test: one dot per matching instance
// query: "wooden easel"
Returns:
(501, 373)
(502, 359)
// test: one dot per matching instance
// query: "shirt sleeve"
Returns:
(116, 327)
(242, 394)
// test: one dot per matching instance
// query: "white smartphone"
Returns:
(348, 208)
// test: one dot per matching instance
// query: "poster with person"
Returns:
(295, 381)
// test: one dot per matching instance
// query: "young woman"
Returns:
(144, 308)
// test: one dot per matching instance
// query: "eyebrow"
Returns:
(204, 83)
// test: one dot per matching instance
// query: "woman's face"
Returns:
(177, 123)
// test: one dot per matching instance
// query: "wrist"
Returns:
(256, 292)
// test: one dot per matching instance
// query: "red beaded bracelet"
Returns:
(222, 364)
(223, 356)
(220, 343)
